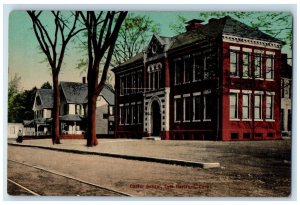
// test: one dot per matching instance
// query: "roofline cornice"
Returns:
(251, 42)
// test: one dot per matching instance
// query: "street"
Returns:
(264, 171)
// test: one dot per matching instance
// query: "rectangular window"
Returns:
(140, 81)
(270, 67)
(246, 65)
(233, 105)
(150, 80)
(78, 109)
(290, 88)
(157, 79)
(196, 107)
(269, 107)
(234, 58)
(177, 109)
(282, 88)
(186, 69)
(197, 67)
(140, 113)
(205, 68)
(258, 66)
(133, 82)
(178, 67)
(257, 106)
(187, 108)
(246, 106)
(207, 106)
(133, 114)
(122, 115)
(127, 115)
(122, 85)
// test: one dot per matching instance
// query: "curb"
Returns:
(131, 157)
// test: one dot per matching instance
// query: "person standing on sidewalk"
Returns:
(20, 136)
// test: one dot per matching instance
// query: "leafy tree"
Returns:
(19, 102)
(13, 90)
(46, 85)
(102, 33)
(53, 41)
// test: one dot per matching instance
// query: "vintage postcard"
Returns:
(149, 104)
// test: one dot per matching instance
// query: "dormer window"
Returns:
(154, 49)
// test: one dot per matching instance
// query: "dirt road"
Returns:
(262, 171)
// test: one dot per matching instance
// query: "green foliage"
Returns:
(46, 85)
(19, 102)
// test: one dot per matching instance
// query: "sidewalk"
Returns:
(143, 150)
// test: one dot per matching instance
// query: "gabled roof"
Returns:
(77, 93)
(73, 92)
(108, 94)
(46, 96)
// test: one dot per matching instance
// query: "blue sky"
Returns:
(25, 59)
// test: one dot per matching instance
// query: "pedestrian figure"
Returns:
(20, 137)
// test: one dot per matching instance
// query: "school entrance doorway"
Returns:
(156, 119)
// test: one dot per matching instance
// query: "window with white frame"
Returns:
(78, 109)
(246, 65)
(246, 106)
(234, 59)
(233, 105)
(196, 107)
(139, 81)
(207, 106)
(133, 114)
(178, 68)
(270, 67)
(177, 108)
(127, 114)
(187, 69)
(122, 115)
(133, 82)
(140, 112)
(186, 108)
(197, 67)
(269, 107)
(122, 85)
(205, 67)
(257, 106)
(258, 66)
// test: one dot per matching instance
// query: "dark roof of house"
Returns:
(108, 94)
(78, 93)
(135, 58)
(46, 96)
(228, 25)
(72, 118)
(75, 92)
(214, 28)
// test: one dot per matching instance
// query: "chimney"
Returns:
(193, 24)
(84, 80)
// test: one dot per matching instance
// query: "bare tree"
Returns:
(102, 32)
(53, 41)
(133, 37)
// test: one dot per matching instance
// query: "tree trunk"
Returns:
(55, 114)
(91, 120)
